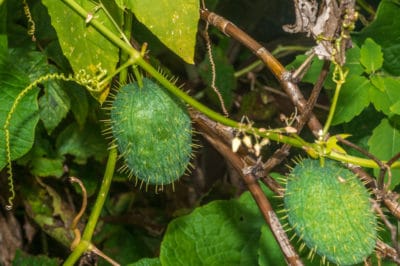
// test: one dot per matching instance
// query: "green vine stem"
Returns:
(339, 77)
(85, 242)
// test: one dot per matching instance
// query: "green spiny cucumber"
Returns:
(153, 132)
(330, 210)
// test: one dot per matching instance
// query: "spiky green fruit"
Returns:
(153, 132)
(330, 210)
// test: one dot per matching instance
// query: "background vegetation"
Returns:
(59, 60)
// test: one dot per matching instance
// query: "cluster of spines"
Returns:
(126, 168)
(297, 232)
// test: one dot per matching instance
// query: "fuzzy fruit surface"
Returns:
(329, 209)
(153, 132)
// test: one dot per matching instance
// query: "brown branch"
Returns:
(269, 60)
(213, 136)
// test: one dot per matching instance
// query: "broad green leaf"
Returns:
(353, 98)
(173, 22)
(225, 80)
(385, 143)
(385, 30)
(371, 56)
(82, 142)
(84, 47)
(22, 259)
(147, 262)
(353, 61)
(385, 93)
(33, 63)
(26, 114)
(219, 233)
(54, 105)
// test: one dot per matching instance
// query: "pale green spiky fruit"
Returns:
(330, 210)
(153, 132)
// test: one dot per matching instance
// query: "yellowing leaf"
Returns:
(331, 143)
(174, 22)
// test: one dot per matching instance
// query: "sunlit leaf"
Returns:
(353, 98)
(84, 47)
(173, 22)
(371, 56)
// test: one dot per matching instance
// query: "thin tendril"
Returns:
(31, 23)
(212, 64)
(84, 80)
